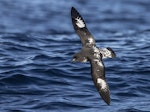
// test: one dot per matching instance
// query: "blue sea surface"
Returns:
(37, 42)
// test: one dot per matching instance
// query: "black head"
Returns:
(79, 58)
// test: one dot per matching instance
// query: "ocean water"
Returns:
(37, 42)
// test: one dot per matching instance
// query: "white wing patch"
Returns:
(102, 83)
(90, 40)
(80, 22)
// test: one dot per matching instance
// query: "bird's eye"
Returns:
(75, 57)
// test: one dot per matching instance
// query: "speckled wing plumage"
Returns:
(98, 76)
(93, 54)
(81, 29)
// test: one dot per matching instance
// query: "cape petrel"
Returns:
(90, 52)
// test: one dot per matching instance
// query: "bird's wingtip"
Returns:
(105, 96)
(72, 8)
(74, 12)
(104, 92)
(107, 102)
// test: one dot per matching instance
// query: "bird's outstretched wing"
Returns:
(81, 29)
(98, 75)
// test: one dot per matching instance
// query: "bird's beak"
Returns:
(73, 60)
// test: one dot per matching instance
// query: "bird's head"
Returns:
(79, 58)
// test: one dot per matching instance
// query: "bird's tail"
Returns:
(107, 53)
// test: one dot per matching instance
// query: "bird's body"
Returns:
(90, 52)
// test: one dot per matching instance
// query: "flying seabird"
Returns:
(90, 52)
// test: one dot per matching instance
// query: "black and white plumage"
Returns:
(93, 54)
